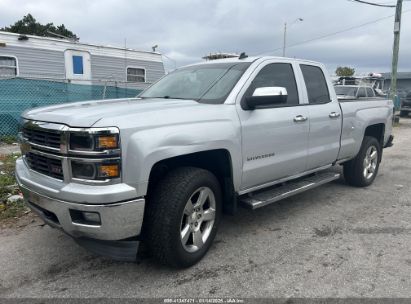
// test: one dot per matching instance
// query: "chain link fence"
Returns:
(19, 94)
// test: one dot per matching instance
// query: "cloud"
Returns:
(187, 30)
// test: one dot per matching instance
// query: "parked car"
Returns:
(405, 105)
(206, 138)
(350, 92)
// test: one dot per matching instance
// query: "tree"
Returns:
(345, 71)
(29, 26)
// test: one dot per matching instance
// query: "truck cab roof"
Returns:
(252, 59)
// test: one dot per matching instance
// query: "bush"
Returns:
(8, 187)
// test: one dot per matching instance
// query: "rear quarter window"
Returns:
(316, 84)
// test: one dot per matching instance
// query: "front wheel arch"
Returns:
(219, 162)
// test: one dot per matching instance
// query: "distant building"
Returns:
(403, 81)
(39, 71)
(28, 56)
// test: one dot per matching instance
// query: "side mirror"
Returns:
(266, 96)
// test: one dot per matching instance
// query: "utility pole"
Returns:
(395, 48)
(395, 51)
(285, 33)
(285, 38)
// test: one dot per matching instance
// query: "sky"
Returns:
(187, 30)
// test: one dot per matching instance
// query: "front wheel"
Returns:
(183, 214)
(362, 170)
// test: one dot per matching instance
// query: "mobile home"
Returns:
(37, 71)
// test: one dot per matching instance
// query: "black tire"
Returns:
(354, 170)
(404, 113)
(165, 215)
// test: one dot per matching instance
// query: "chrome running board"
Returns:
(270, 195)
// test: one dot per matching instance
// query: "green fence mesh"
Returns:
(20, 94)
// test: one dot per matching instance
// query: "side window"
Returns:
(361, 93)
(136, 75)
(316, 84)
(370, 92)
(8, 66)
(276, 75)
(78, 65)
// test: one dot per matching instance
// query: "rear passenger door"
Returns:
(325, 118)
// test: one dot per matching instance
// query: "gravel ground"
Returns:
(333, 241)
(6, 149)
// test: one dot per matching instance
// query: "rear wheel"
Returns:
(183, 214)
(362, 170)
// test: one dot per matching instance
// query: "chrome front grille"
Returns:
(43, 138)
(46, 149)
(45, 165)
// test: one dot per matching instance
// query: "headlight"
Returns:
(82, 141)
(95, 154)
(95, 170)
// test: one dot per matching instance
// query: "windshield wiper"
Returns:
(167, 97)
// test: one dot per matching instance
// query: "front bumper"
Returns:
(117, 233)
(118, 220)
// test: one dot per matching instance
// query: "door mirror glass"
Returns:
(267, 96)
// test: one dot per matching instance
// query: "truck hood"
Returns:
(86, 114)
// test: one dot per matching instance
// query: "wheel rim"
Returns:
(198, 219)
(370, 162)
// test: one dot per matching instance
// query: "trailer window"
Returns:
(136, 75)
(8, 66)
(78, 65)
(316, 84)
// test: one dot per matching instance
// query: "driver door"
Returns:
(274, 138)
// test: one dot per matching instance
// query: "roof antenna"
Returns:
(243, 55)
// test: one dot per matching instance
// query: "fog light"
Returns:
(92, 217)
(85, 217)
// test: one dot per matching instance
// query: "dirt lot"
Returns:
(334, 241)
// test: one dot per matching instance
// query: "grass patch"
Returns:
(8, 139)
(12, 210)
(8, 187)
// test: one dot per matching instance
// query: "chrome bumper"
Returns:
(118, 220)
(115, 237)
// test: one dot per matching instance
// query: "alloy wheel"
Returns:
(198, 219)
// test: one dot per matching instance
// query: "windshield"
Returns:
(207, 83)
(347, 91)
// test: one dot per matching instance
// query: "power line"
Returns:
(373, 3)
(334, 33)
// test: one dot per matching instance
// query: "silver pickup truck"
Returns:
(161, 168)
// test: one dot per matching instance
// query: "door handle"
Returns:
(300, 118)
(334, 115)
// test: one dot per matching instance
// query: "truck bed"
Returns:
(357, 114)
